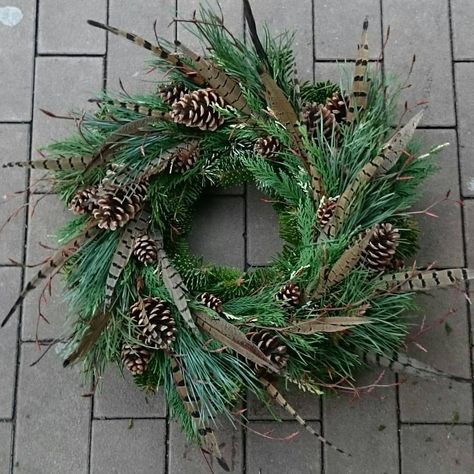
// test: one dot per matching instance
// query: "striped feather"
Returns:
(278, 398)
(227, 334)
(426, 279)
(54, 263)
(132, 230)
(322, 324)
(207, 438)
(387, 158)
(162, 53)
(227, 87)
(53, 164)
(360, 85)
(174, 284)
(403, 364)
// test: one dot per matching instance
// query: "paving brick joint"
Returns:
(51, 423)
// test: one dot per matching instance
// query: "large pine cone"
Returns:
(382, 247)
(156, 326)
(271, 346)
(196, 109)
(326, 210)
(172, 93)
(211, 301)
(135, 358)
(267, 146)
(145, 250)
(116, 205)
(312, 115)
(290, 293)
(84, 200)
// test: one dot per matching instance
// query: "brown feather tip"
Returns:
(365, 26)
(223, 464)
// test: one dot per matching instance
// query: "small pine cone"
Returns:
(326, 210)
(338, 106)
(211, 301)
(196, 109)
(267, 146)
(135, 358)
(156, 326)
(382, 246)
(116, 205)
(172, 93)
(290, 293)
(83, 201)
(271, 346)
(145, 250)
(184, 159)
(312, 116)
(396, 265)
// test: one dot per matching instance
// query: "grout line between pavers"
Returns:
(15, 122)
(463, 215)
(435, 423)
(24, 251)
(69, 55)
(119, 418)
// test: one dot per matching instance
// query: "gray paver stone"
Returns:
(5, 445)
(463, 18)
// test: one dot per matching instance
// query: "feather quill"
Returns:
(207, 438)
(54, 263)
(227, 334)
(360, 85)
(321, 324)
(278, 398)
(159, 51)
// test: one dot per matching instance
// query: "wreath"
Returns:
(340, 178)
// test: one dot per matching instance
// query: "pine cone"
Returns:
(135, 358)
(326, 210)
(184, 159)
(313, 114)
(156, 326)
(196, 109)
(116, 205)
(382, 247)
(270, 345)
(172, 93)
(290, 293)
(145, 250)
(83, 201)
(267, 146)
(211, 301)
(338, 106)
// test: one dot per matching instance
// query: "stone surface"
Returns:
(223, 219)
(284, 447)
(441, 237)
(422, 28)
(462, 12)
(43, 225)
(469, 232)
(10, 279)
(18, 49)
(186, 458)
(119, 397)
(52, 427)
(63, 29)
(128, 446)
(14, 141)
(5, 445)
(444, 344)
(334, 40)
(126, 61)
(263, 240)
(365, 426)
(437, 449)
(465, 94)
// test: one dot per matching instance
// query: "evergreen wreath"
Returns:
(342, 181)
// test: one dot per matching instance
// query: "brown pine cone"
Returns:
(135, 358)
(338, 106)
(382, 247)
(314, 114)
(184, 159)
(290, 293)
(270, 345)
(145, 250)
(267, 147)
(211, 301)
(84, 200)
(171, 93)
(326, 210)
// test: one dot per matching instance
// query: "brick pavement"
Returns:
(53, 60)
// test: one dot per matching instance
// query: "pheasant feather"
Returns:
(321, 324)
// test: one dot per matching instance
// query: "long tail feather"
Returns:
(162, 53)
(276, 396)
(53, 164)
(54, 263)
(226, 333)
(426, 279)
(207, 438)
(250, 19)
(403, 364)
(360, 86)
